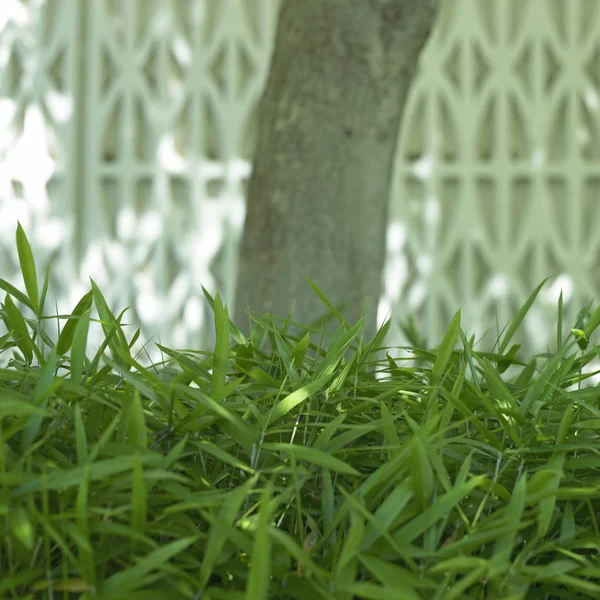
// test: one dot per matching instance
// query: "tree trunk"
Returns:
(328, 125)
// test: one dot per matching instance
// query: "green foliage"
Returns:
(307, 471)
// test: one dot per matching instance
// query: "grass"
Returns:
(312, 471)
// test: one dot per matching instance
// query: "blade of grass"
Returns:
(516, 322)
(238, 336)
(139, 499)
(128, 579)
(337, 351)
(326, 302)
(109, 324)
(446, 348)
(138, 432)
(283, 407)
(221, 353)
(85, 549)
(559, 324)
(260, 566)
(68, 332)
(78, 345)
(15, 323)
(299, 352)
(441, 507)
(13, 291)
(505, 544)
(313, 456)
(28, 271)
(228, 512)
(45, 289)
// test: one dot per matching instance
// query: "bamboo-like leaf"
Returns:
(500, 392)
(28, 268)
(21, 527)
(514, 511)
(79, 345)
(516, 322)
(228, 512)
(139, 497)
(311, 455)
(17, 327)
(283, 407)
(441, 507)
(128, 579)
(68, 331)
(260, 566)
(299, 352)
(138, 434)
(446, 348)
(326, 302)
(421, 473)
(18, 294)
(338, 349)
(559, 324)
(238, 336)
(221, 353)
(112, 329)
(44, 290)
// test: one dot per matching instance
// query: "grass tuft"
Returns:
(306, 471)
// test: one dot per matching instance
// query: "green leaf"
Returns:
(28, 268)
(221, 353)
(286, 358)
(514, 511)
(326, 302)
(138, 435)
(446, 348)
(260, 565)
(396, 578)
(516, 322)
(117, 343)
(18, 405)
(79, 345)
(421, 473)
(238, 336)
(313, 456)
(499, 391)
(352, 541)
(388, 512)
(128, 579)
(17, 327)
(66, 335)
(567, 527)
(377, 342)
(44, 387)
(559, 325)
(13, 291)
(228, 513)
(21, 527)
(299, 352)
(335, 354)
(439, 509)
(81, 445)
(283, 407)
(139, 497)
(44, 290)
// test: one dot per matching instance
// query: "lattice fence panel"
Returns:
(497, 170)
(126, 129)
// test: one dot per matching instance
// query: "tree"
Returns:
(328, 124)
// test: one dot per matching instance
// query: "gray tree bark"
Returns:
(328, 125)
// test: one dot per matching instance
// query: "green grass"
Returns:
(296, 473)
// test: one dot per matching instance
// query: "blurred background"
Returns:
(126, 138)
